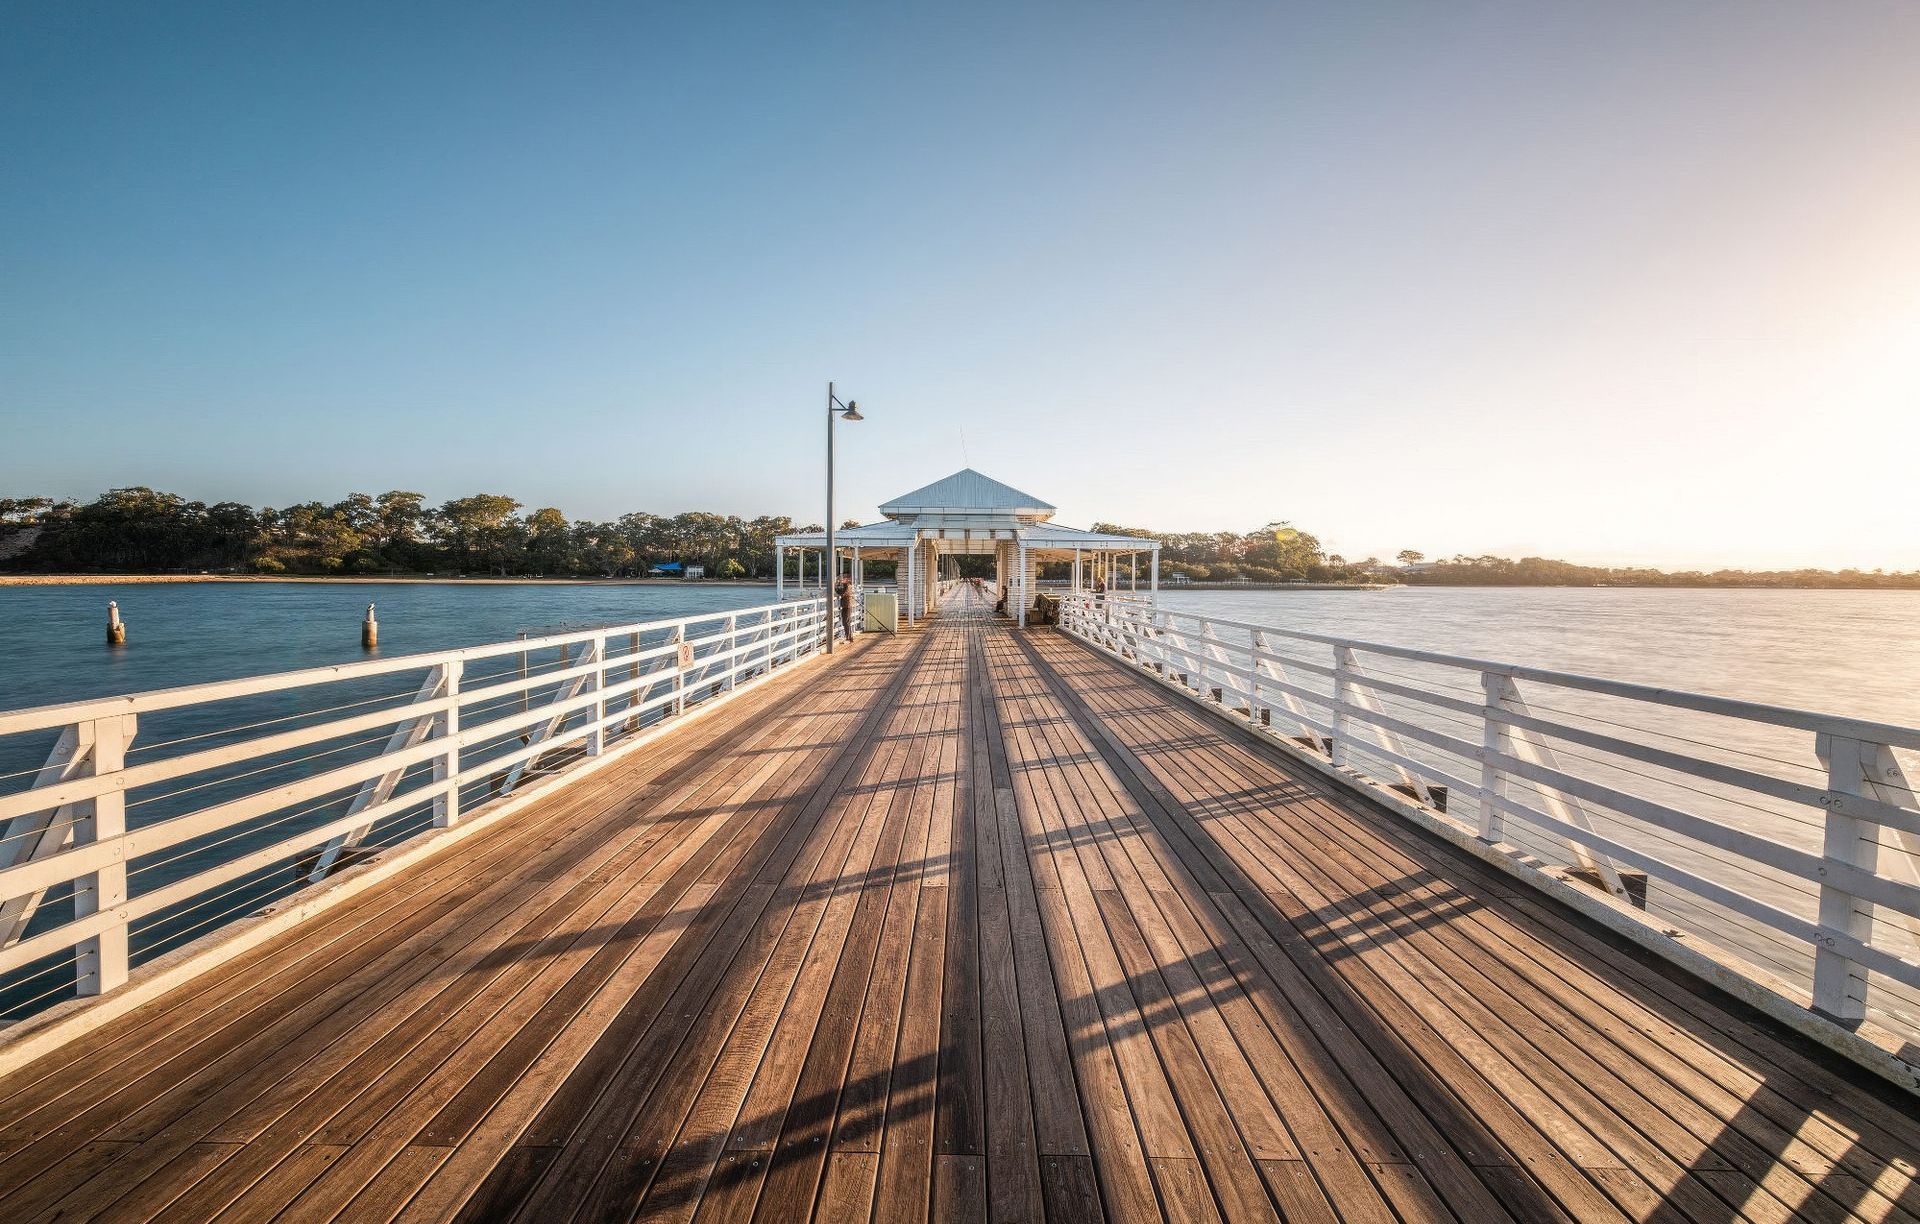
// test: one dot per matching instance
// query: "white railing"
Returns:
(1786, 839)
(237, 794)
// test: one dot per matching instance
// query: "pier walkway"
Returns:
(966, 923)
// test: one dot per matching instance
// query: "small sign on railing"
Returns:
(686, 654)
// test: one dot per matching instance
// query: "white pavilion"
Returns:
(968, 513)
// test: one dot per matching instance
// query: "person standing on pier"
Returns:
(843, 587)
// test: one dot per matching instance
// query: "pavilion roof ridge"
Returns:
(966, 491)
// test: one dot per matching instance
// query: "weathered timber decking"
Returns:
(965, 924)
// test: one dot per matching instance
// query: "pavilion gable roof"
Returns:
(968, 492)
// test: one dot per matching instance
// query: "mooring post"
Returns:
(369, 631)
(116, 628)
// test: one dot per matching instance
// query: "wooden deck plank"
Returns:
(1565, 1069)
(816, 990)
(967, 924)
(286, 963)
(597, 1101)
(348, 1082)
(409, 1098)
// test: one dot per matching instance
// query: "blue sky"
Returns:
(1617, 282)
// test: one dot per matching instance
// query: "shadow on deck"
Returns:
(965, 924)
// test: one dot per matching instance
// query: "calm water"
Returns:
(1841, 652)
(186, 633)
(1848, 652)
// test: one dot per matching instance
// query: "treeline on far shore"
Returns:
(142, 531)
(139, 530)
(1540, 571)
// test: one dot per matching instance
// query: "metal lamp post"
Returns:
(848, 411)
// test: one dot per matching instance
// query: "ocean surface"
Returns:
(1846, 652)
(52, 650)
(1841, 652)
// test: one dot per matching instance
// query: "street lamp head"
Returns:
(853, 412)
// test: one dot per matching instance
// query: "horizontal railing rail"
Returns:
(137, 824)
(1786, 840)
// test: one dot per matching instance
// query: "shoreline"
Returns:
(7, 580)
(50, 580)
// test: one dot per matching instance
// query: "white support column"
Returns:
(1022, 573)
(1840, 982)
(683, 659)
(1153, 575)
(100, 963)
(1343, 664)
(446, 767)
(910, 585)
(731, 675)
(779, 572)
(1493, 738)
(596, 682)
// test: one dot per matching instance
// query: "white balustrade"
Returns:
(146, 837)
(1787, 839)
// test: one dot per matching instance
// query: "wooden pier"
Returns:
(967, 923)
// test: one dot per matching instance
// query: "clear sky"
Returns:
(1611, 282)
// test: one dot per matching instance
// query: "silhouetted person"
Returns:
(843, 587)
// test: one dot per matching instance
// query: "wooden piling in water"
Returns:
(116, 628)
(369, 631)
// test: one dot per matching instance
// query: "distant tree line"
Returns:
(1543, 571)
(139, 530)
(1279, 552)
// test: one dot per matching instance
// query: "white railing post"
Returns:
(446, 766)
(1343, 668)
(634, 691)
(375, 791)
(1493, 739)
(597, 682)
(35, 835)
(682, 660)
(733, 652)
(1256, 646)
(1529, 746)
(100, 961)
(1839, 982)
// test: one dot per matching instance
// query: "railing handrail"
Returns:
(251, 808)
(1706, 703)
(34, 718)
(1490, 749)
